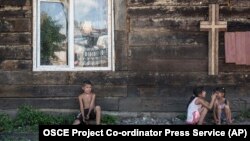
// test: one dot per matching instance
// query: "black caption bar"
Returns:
(95, 132)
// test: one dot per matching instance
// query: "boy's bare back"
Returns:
(87, 99)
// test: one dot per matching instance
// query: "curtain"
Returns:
(237, 48)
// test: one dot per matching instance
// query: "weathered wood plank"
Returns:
(144, 104)
(168, 65)
(55, 103)
(165, 79)
(164, 104)
(148, 91)
(110, 91)
(15, 39)
(120, 14)
(16, 14)
(167, 11)
(4, 78)
(227, 67)
(15, 25)
(130, 104)
(234, 12)
(183, 24)
(13, 103)
(49, 78)
(168, 52)
(120, 35)
(132, 91)
(121, 50)
(182, 65)
(240, 103)
(187, 2)
(15, 2)
(63, 78)
(164, 24)
(167, 38)
(16, 65)
(141, 78)
(234, 26)
(16, 77)
(187, 91)
(16, 52)
(43, 91)
(39, 91)
(170, 104)
(99, 78)
(133, 78)
(179, 12)
(108, 103)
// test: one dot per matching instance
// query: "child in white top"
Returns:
(198, 106)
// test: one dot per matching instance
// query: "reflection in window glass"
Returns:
(53, 33)
(91, 33)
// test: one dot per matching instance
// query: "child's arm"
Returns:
(229, 114)
(214, 111)
(228, 104)
(81, 106)
(206, 104)
(92, 104)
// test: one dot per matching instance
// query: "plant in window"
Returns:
(51, 39)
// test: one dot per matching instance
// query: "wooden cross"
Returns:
(213, 26)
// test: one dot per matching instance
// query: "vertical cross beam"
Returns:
(213, 26)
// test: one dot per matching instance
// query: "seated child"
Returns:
(221, 107)
(198, 106)
(87, 106)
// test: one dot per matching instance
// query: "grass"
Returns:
(5, 122)
(109, 120)
(243, 115)
(25, 125)
(182, 116)
(28, 119)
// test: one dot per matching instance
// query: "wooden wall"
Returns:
(160, 56)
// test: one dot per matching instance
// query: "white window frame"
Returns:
(70, 66)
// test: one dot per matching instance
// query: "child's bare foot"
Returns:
(219, 122)
(230, 121)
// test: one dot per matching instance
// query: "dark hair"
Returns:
(221, 90)
(196, 92)
(87, 82)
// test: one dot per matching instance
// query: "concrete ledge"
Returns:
(13, 112)
(142, 114)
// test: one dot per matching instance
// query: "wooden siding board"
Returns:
(167, 38)
(16, 52)
(16, 65)
(15, 25)
(15, 3)
(240, 3)
(108, 104)
(169, 65)
(43, 91)
(121, 50)
(15, 39)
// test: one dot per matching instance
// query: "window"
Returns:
(73, 35)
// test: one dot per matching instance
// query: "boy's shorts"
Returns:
(92, 115)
